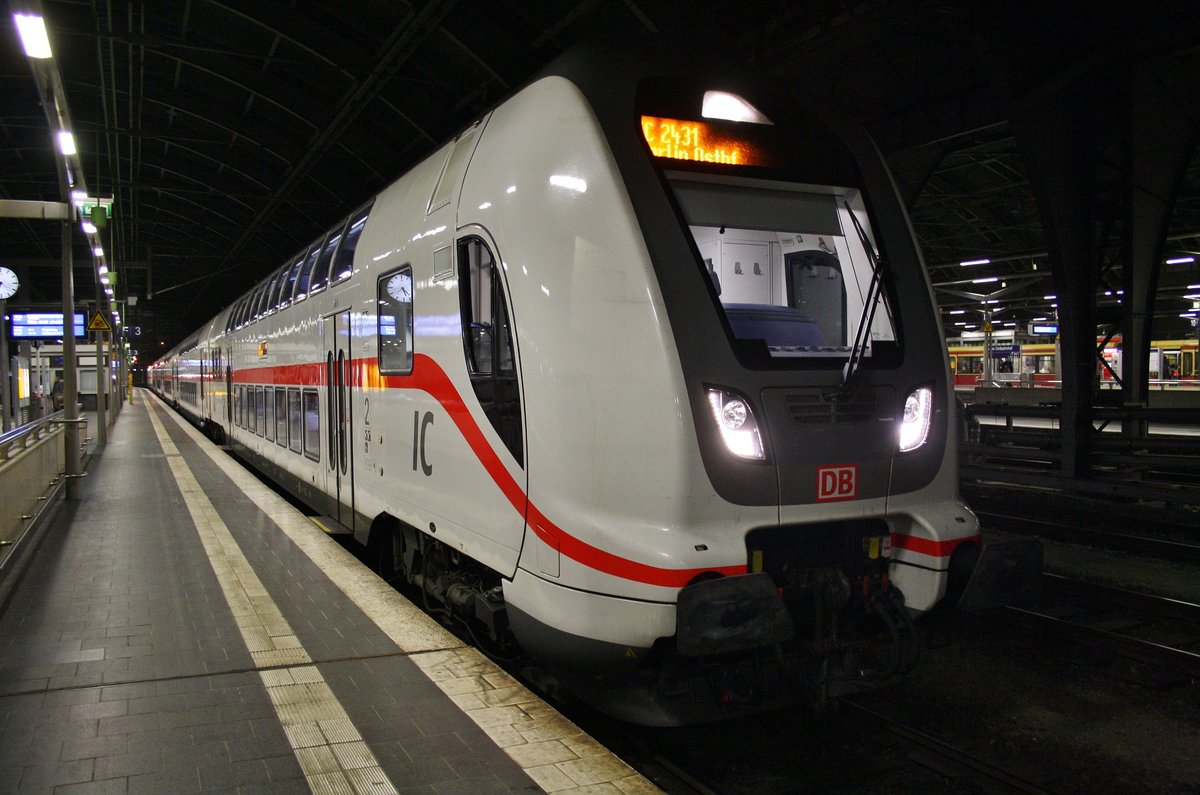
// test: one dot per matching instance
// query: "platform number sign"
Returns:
(838, 482)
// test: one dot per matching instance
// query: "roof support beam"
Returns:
(46, 211)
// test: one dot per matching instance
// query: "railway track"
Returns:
(949, 761)
(1170, 546)
(1151, 629)
(856, 749)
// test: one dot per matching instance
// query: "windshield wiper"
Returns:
(862, 336)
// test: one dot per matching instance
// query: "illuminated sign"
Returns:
(1044, 330)
(699, 142)
(42, 325)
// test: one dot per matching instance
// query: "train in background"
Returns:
(640, 373)
(1032, 362)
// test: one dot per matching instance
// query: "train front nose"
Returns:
(831, 444)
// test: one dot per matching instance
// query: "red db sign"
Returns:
(837, 482)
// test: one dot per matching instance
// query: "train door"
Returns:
(229, 393)
(339, 447)
(492, 364)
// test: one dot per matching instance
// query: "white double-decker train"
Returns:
(641, 371)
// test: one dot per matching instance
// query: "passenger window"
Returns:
(257, 303)
(320, 272)
(343, 263)
(269, 412)
(289, 282)
(306, 266)
(281, 417)
(260, 412)
(488, 343)
(312, 425)
(295, 421)
(276, 288)
(393, 294)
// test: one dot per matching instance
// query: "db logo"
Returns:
(837, 482)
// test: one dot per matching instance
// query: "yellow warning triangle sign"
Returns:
(98, 323)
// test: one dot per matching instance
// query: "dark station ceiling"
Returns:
(231, 133)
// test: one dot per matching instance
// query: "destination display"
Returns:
(700, 142)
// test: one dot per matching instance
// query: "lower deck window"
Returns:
(269, 408)
(281, 417)
(312, 425)
(260, 412)
(295, 421)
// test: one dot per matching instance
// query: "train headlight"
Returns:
(918, 416)
(735, 419)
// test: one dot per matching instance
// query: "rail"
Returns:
(1132, 624)
(24, 437)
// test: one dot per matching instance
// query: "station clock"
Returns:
(8, 283)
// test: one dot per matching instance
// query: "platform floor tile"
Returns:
(183, 630)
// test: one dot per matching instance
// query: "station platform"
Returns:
(183, 629)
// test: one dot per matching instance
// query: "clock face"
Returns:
(400, 287)
(8, 283)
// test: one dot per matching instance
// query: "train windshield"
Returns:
(787, 261)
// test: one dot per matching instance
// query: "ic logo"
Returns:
(839, 482)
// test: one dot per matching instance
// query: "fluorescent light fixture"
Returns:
(731, 107)
(32, 29)
(1049, 297)
(965, 263)
(66, 142)
(104, 278)
(1193, 286)
(985, 280)
(1041, 318)
(1180, 260)
(89, 228)
(958, 311)
(98, 251)
(1191, 296)
(103, 269)
(1189, 315)
(78, 196)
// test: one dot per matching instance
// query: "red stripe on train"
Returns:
(929, 546)
(427, 376)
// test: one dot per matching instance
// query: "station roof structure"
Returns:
(229, 134)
